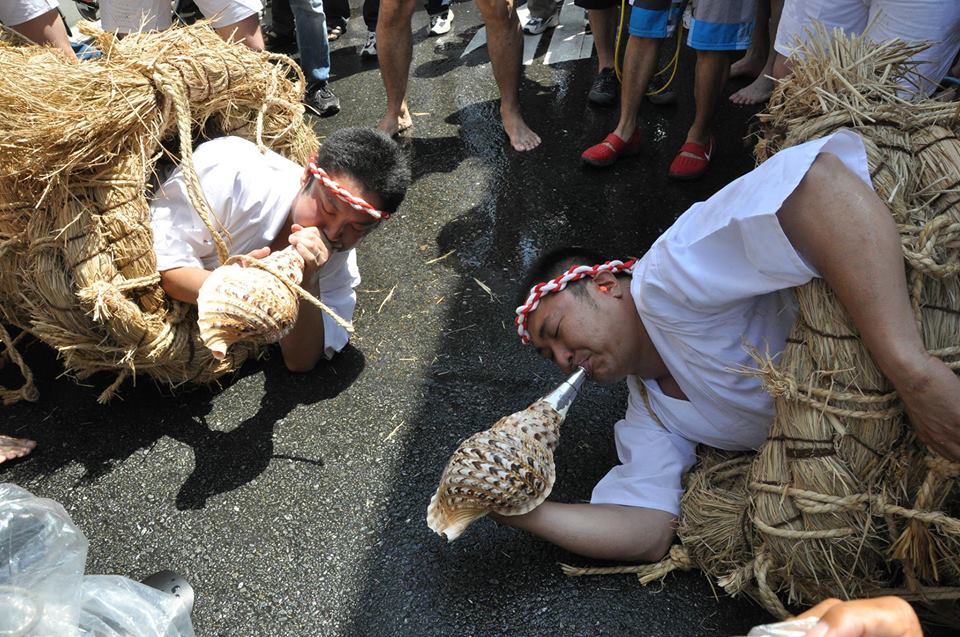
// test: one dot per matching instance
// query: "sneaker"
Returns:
(369, 49)
(536, 26)
(441, 23)
(604, 89)
(321, 100)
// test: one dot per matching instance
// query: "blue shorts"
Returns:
(717, 25)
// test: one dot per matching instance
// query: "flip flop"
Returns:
(335, 33)
(688, 168)
(610, 149)
(174, 584)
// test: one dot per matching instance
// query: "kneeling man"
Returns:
(265, 202)
(678, 322)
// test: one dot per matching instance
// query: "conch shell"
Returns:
(507, 469)
(249, 304)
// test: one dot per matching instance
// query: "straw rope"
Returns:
(77, 268)
(842, 500)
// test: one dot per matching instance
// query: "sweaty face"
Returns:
(342, 225)
(589, 331)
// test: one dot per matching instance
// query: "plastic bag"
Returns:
(114, 606)
(42, 556)
(43, 591)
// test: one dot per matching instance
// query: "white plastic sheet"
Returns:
(43, 590)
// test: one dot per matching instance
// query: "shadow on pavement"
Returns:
(70, 427)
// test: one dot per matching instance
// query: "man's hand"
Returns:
(879, 617)
(312, 246)
(930, 392)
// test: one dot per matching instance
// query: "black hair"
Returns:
(555, 262)
(372, 158)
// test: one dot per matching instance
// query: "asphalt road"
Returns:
(296, 503)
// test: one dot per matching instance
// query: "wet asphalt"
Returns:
(295, 504)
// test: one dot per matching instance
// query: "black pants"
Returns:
(339, 10)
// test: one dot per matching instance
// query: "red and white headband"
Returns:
(342, 193)
(575, 273)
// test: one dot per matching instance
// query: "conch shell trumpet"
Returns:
(249, 304)
(507, 469)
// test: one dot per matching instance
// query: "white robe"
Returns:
(250, 194)
(718, 282)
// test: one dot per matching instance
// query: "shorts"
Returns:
(128, 16)
(936, 21)
(24, 10)
(717, 25)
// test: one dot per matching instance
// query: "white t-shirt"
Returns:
(250, 194)
(716, 283)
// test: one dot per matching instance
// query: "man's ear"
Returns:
(305, 177)
(607, 283)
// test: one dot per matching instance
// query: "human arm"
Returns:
(600, 531)
(305, 345)
(48, 28)
(838, 224)
(878, 617)
(184, 283)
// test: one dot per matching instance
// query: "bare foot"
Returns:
(393, 124)
(756, 92)
(521, 137)
(11, 448)
(750, 65)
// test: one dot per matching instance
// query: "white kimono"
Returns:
(250, 194)
(716, 283)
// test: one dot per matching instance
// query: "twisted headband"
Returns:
(342, 193)
(574, 273)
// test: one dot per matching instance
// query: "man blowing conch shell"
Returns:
(678, 324)
(264, 202)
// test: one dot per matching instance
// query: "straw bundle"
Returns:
(78, 143)
(842, 500)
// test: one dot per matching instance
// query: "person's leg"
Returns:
(235, 20)
(841, 227)
(505, 46)
(753, 63)
(719, 29)
(604, 36)
(371, 8)
(47, 28)
(650, 22)
(246, 31)
(311, 31)
(599, 531)
(395, 49)
(760, 89)
(12, 448)
(542, 9)
(281, 20)
(337, 12)
(710, 77)
(639, 64)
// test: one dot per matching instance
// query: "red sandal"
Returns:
(610, 149)
(687, 168)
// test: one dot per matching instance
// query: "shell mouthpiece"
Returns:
(563, 396)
